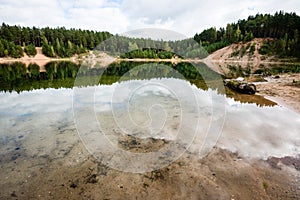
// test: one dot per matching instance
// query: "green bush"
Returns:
(16, 51)
(30, 50)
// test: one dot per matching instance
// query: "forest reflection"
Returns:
(16, 77)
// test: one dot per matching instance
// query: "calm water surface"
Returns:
(43, 115)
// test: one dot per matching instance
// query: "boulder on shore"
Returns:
(240, 86)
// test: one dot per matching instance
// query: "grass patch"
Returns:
(265, 185)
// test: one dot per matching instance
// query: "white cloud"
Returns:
(118, 16)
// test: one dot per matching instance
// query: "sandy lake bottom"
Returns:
(157, 139)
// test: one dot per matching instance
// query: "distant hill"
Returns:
(244, 52)
(282, 27)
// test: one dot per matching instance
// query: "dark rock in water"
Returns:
(277, 77)
(247, 88)
(242, 87)
(13, 194)
(15, 156)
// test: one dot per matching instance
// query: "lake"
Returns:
(133, 117)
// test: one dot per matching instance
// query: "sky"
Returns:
(186, 17)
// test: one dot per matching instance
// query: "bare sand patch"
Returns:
(285, 90)
(39, 59)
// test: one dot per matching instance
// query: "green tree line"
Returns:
(62, 42)
(127, 47)
(282, 27)
(151, 53)
(55, 42)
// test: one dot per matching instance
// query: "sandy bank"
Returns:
(39, 59)
(282, 90)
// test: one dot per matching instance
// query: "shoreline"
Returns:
(280, 102)
(104, 56)
(282, 91)
(173, 60)
(39, 59)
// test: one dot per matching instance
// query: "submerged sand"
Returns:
(42, 157)
(220, 175)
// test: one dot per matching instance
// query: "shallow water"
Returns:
(139, 125)
(40, 123)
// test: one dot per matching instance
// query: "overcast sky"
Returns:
(117, 16)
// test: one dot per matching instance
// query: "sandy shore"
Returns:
(282, 90)
(39, 59)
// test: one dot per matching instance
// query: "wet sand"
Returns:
(219, 175)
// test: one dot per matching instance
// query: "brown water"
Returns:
(246, 98)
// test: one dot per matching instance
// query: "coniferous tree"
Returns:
(30, 50)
